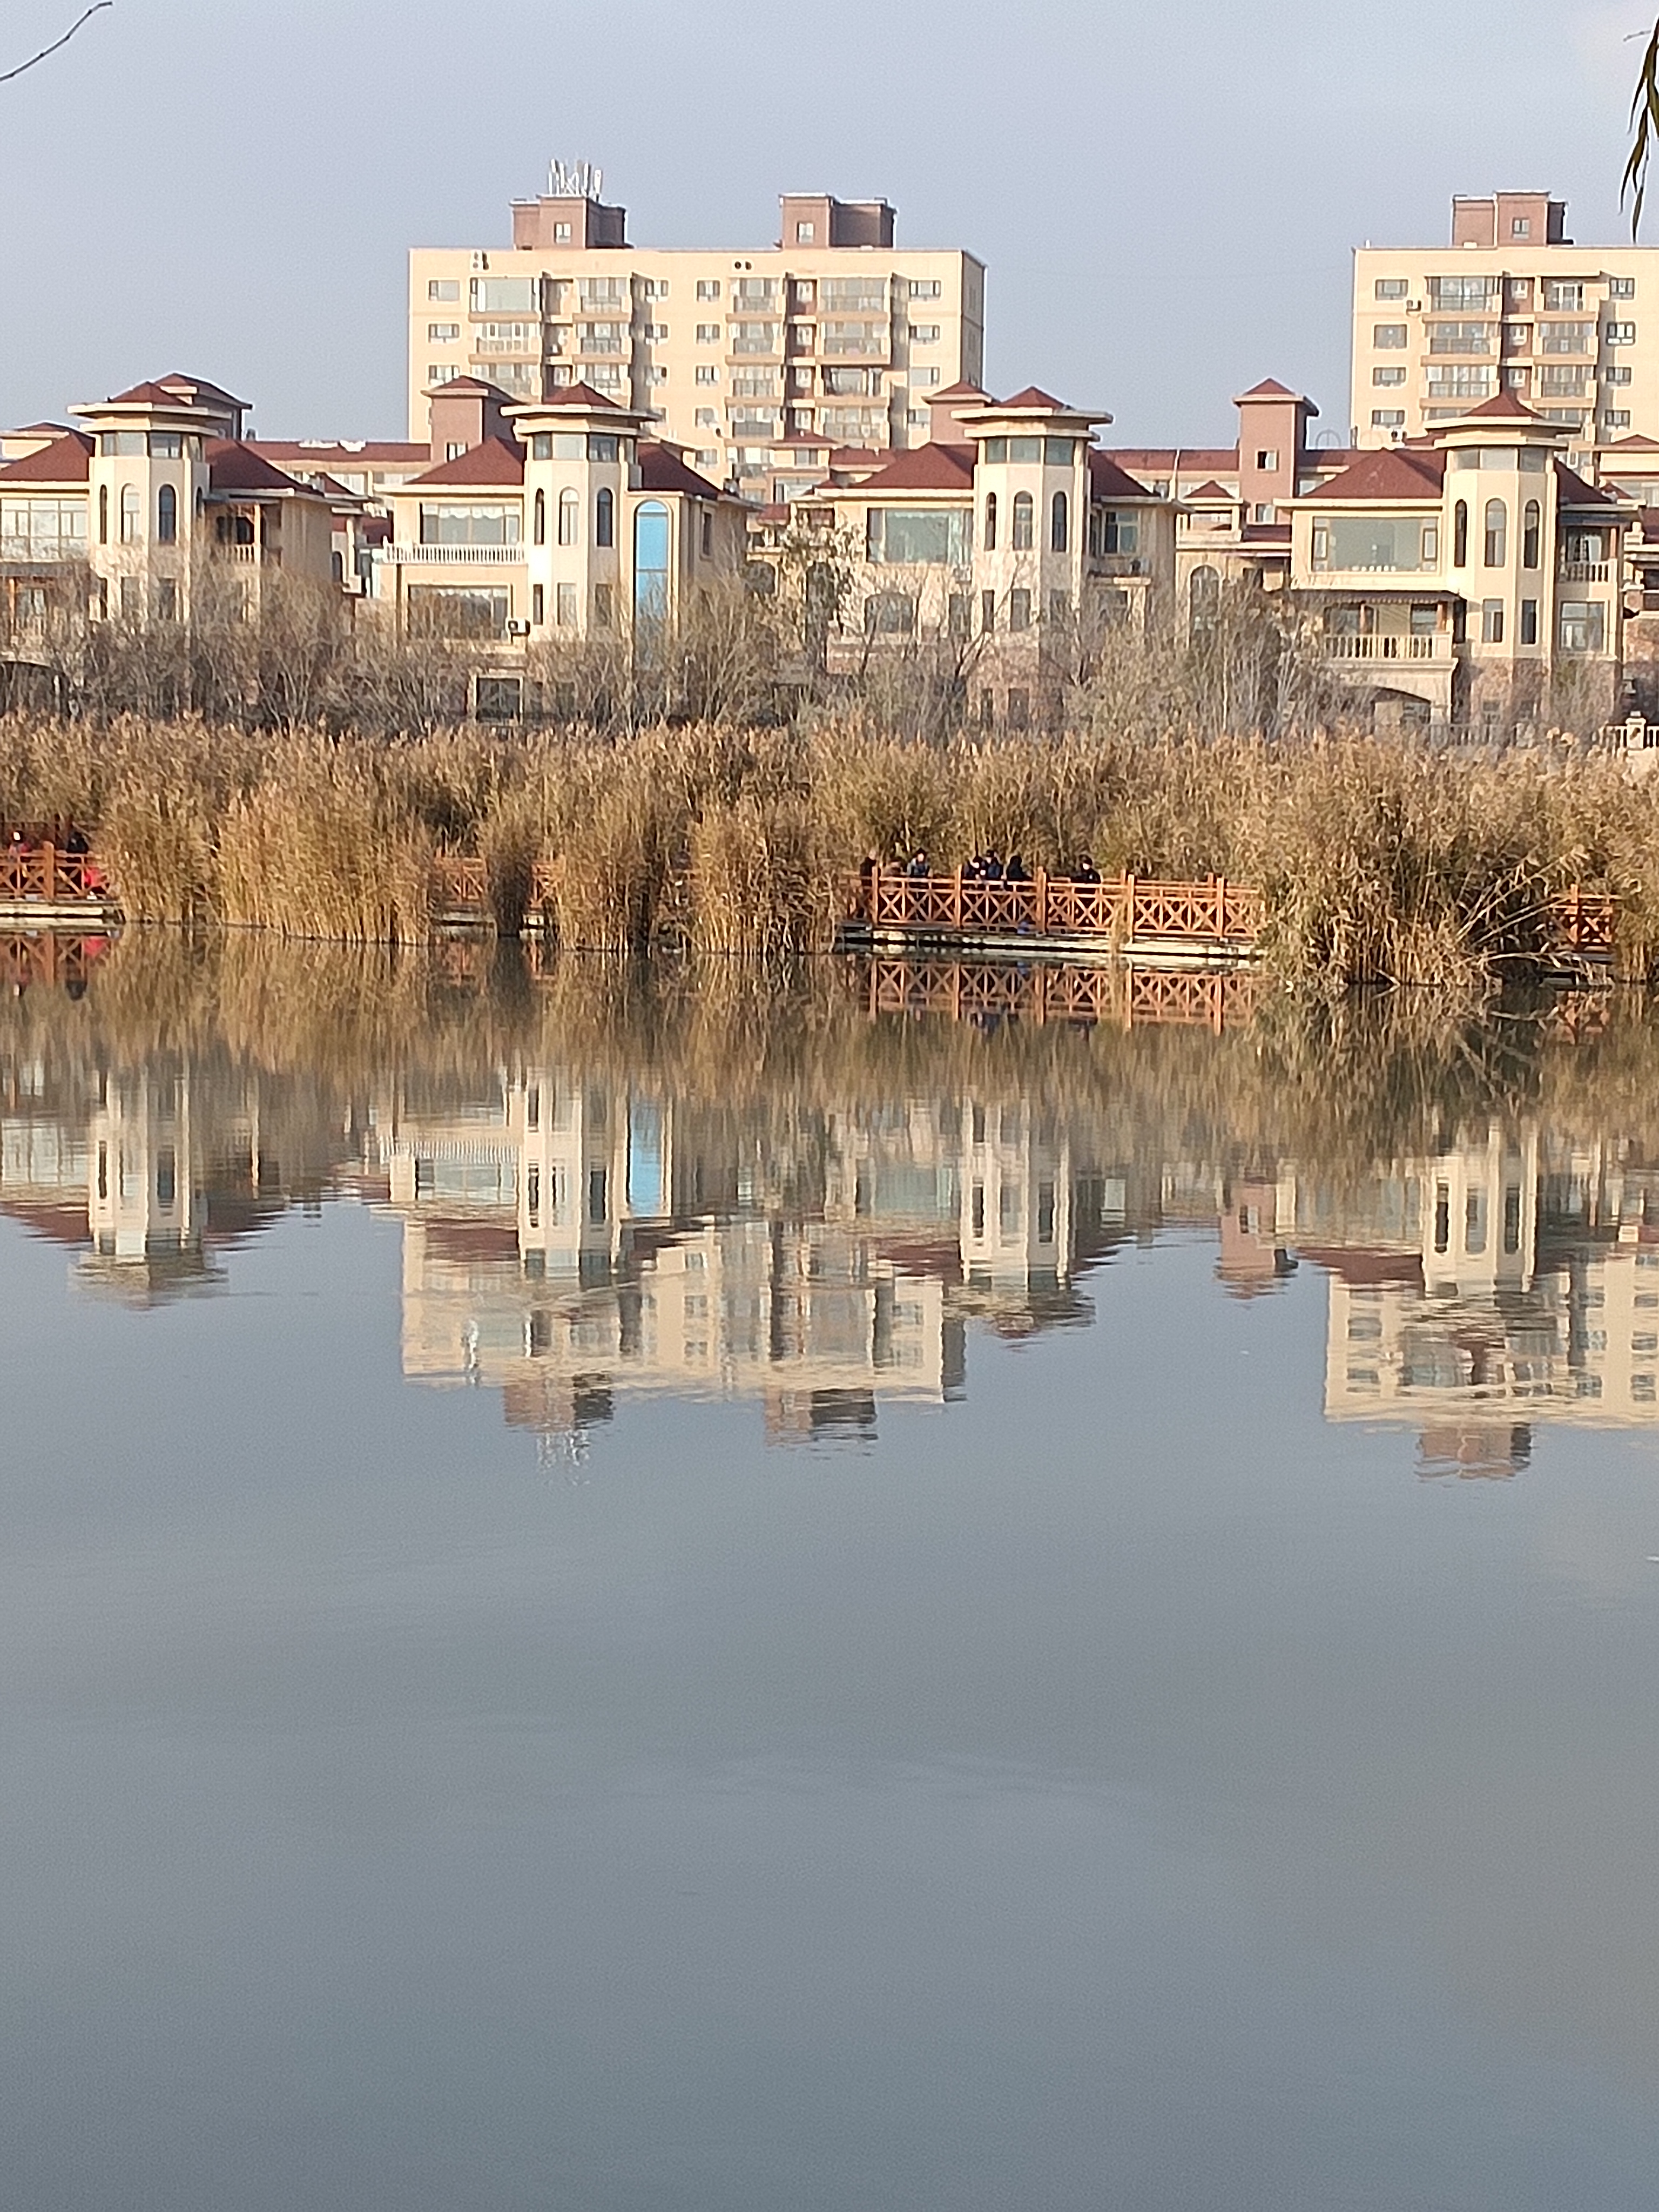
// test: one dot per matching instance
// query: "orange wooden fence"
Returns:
(1125, 909)
(1047, 991)
(51, 875)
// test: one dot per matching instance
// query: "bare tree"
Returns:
(58, 44)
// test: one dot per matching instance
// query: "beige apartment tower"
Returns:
(1512, 305)
(757, 361)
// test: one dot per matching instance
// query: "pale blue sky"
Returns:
(230, 188)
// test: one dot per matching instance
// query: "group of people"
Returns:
(994, 868)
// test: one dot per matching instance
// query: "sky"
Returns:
(1166, 197)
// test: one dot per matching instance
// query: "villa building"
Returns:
(755, 361)
(153, 501)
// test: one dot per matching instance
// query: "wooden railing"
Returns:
(48, 956)
(460, 883)
(53, 876)
(1586, 922)
(1125, 909)
(989, 991)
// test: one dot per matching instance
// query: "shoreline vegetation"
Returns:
(1380, 861)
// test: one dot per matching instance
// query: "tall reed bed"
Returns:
(1380, 861)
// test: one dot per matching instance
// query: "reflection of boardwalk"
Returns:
(973, 991)
(46, 957)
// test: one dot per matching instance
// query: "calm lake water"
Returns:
(680, 1595)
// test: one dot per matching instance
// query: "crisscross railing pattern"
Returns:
(980, 991)
(1127, 908)
(47, 873)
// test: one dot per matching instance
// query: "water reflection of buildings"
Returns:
(1503, 1281)
(571, 1240)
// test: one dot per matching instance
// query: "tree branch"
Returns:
(1644, 115)
(45, 52)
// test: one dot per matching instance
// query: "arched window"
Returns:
(1497, 533)
(567, 518)
(541, 518)
(604, 518)
(103, 514)
(1205, 599)
(130, 528)
(1058, 520)
(1461, 534)
(651, 549)
(1021, 540)
(166, 516)
(990, 522)
(1531, 517)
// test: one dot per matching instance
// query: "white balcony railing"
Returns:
(450, 556)
(1438, 647)
(1585, 572)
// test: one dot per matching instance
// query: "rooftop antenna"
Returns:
(575, 180)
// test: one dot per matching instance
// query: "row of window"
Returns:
(1613, 418)
(1480, 339)
(893, 614)
(1360, 542)
(1553, 376)
(1566, 294)
(525, 295)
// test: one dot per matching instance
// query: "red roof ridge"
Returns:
(493, 462)
(65, 460)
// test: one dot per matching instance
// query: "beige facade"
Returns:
(1512, 305)
(755, 360)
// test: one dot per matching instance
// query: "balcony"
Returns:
(1585, 572)
(446, 557)
(1437, 646)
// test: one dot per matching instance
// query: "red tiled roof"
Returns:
(1107, 481)
(62, 430)
(232, 466)
(1163, 460)
(580, 395)
(926, 468)
(1572, 490)
(1619, 445)
(1506, 407)
(339, 452)
(1211, 490)
(661, 469)
(178, 381)
(1269, 388)
(1388, 472)
(65, 461)
(467, 384)
(144, 395)
(494, 462)
(1034, 397)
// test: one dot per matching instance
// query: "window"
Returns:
(656, 332)
(1617, 372)
(1528, 621)
(806, 233)
(898, 535)
(1461, 534)
(167, 445)
(706, 535)
(1019, 610)
(561, 233)
(1615, 418)
(924, 333)
(1560, 379)
(121, 444)
(840, 337)
(926, 287)
(1059, 609)
(1582, 625)
(131, 531)
(506, 295)
(602, 607)
(1461, 338)
(1492, 622)
(1562, 294)
(708, 457)
(43, 529)
(890, 614)
(1388, 336)
(1387, 418)
(103, 514)
(566, 606)
(652, 544)
(1388, 376)
(1450, 294)
(537, 605)
(1267, 458)
(1390, 287)
(443, 333)
(1520, 226)
(605, 516)
(442, 289)
(539, 530)
(1019, 709)
(1059, 523)
(708, 288)
(988, 613)
(167, 599)
(601, 337)
(1531, 518)
(1621, 287)
(1497, 544)
(568, 511)
(1024, 512)
(1362, 541)
(1566, 337)
(1459, 380)
(709, 333)
(706, 372)
(166, 516)
(474, 525)
(451, 610)
(1620, 334)
(1114, 531)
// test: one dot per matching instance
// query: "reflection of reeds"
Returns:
(1379, 862)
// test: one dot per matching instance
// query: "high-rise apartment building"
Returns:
(758, 361)
(1512, 304)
